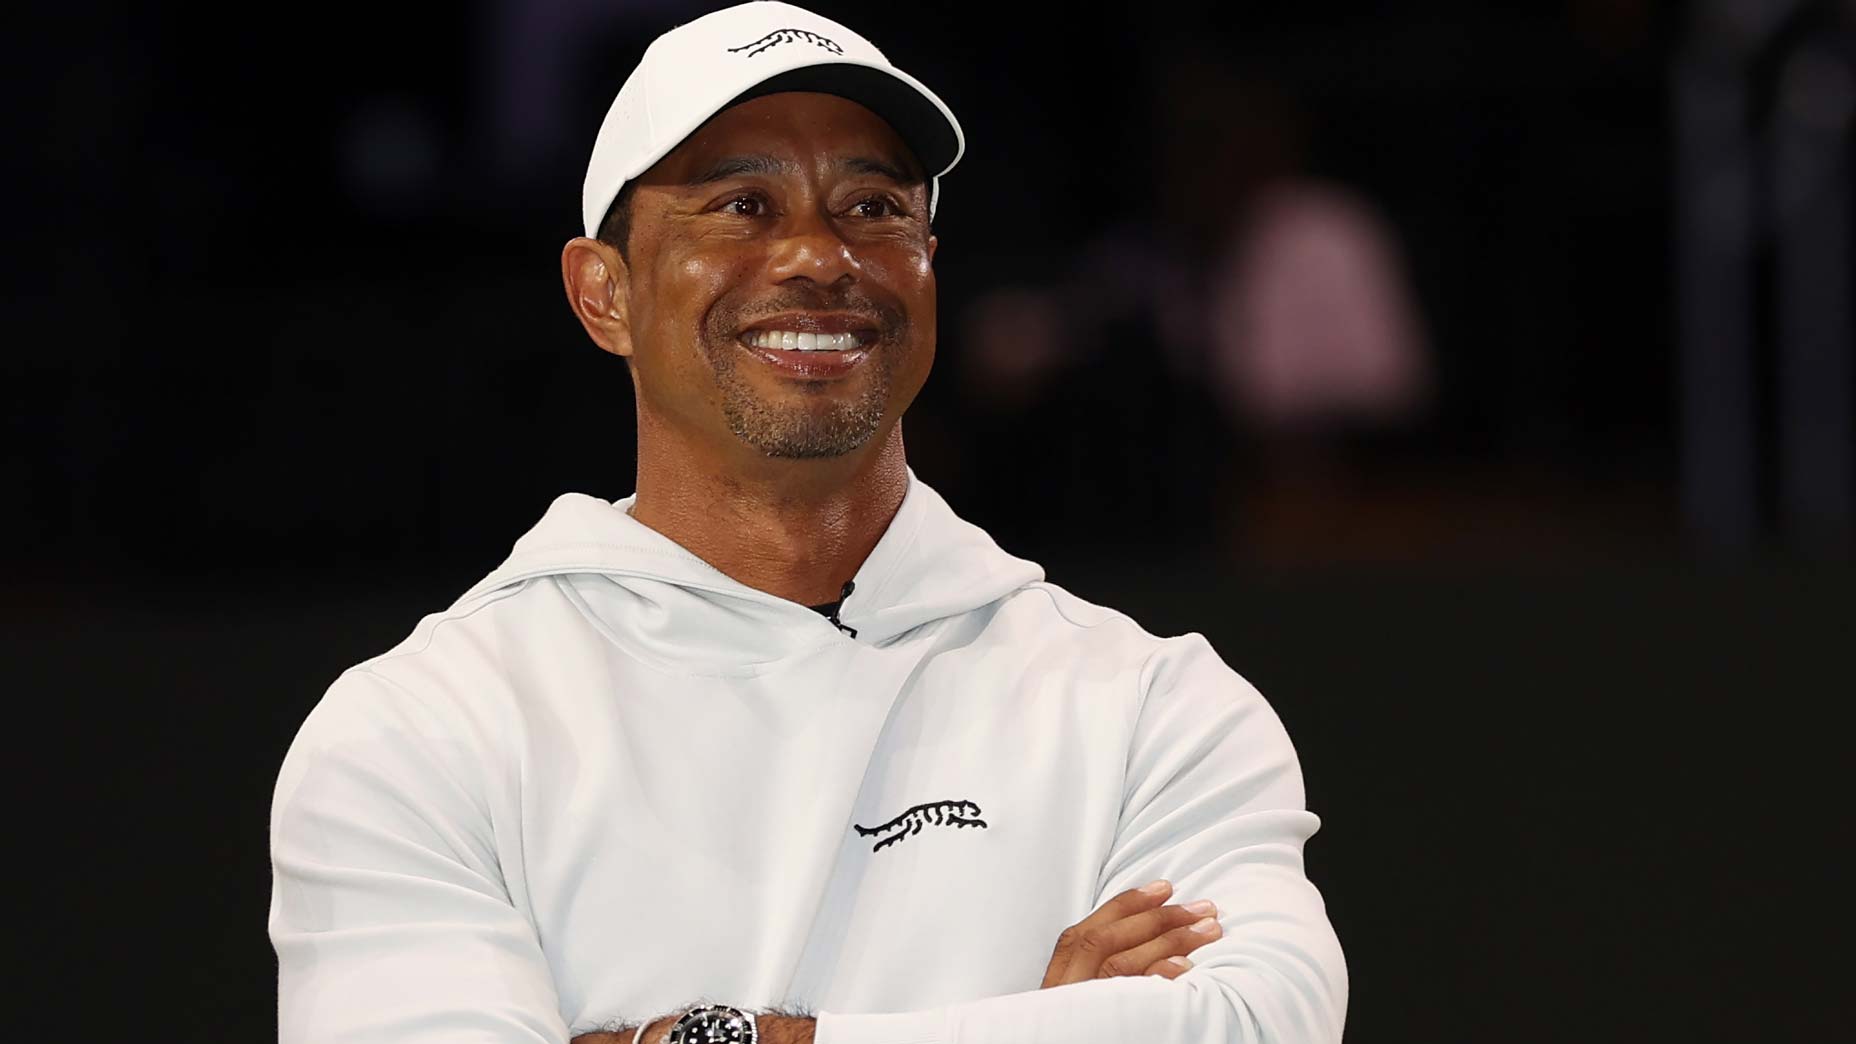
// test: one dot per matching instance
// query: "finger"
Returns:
(1086, 949)
(1126, 904)
(1171, 968)
(1141, 928)
(1118, 908)
(1176, 943)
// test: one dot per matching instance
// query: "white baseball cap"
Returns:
(696, 70)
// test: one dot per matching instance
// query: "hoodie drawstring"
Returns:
(849, 586)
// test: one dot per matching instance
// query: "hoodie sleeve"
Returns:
(389, 912)
(1214, 803)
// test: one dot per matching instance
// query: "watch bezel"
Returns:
(719, 1012)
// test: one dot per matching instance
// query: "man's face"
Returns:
(788, 220)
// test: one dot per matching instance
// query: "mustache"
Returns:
(885, 317)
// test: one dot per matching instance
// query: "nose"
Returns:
(807, 246)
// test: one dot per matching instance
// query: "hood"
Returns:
(929, 564)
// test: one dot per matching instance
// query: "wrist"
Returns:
(769, 1029)
(785, 1029)
(657, 1030)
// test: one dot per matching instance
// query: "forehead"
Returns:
(809, 129)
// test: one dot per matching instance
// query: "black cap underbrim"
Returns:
(917, 121)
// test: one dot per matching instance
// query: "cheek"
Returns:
(909, 274)
(911, 278)
(701, 275)
(715, 288)
(684, 292)
(922, 299)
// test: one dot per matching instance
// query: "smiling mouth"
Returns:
(827, 332)
(833, 348)
(805, 340)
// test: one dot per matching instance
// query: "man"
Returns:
(778, 747)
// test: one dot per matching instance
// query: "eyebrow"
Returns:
(762, 164)
(865, 165)
(736, 166)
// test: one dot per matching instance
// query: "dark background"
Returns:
(1562, 643)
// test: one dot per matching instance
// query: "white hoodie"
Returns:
(610, 782)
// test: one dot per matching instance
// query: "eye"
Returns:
(876, 207)
(745, 206)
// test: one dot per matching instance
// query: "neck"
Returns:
(797, 529)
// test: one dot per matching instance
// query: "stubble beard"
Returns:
(802, 431)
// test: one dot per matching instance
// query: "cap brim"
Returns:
(923, 123)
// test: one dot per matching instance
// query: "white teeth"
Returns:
(796, 341)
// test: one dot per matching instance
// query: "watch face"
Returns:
(714, 1025)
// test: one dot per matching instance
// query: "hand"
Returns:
(1132, 934)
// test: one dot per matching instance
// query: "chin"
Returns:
(807, 434)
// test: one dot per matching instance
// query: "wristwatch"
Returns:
(714, 1024)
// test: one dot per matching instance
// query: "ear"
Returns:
(598, 281)
(933, 241)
